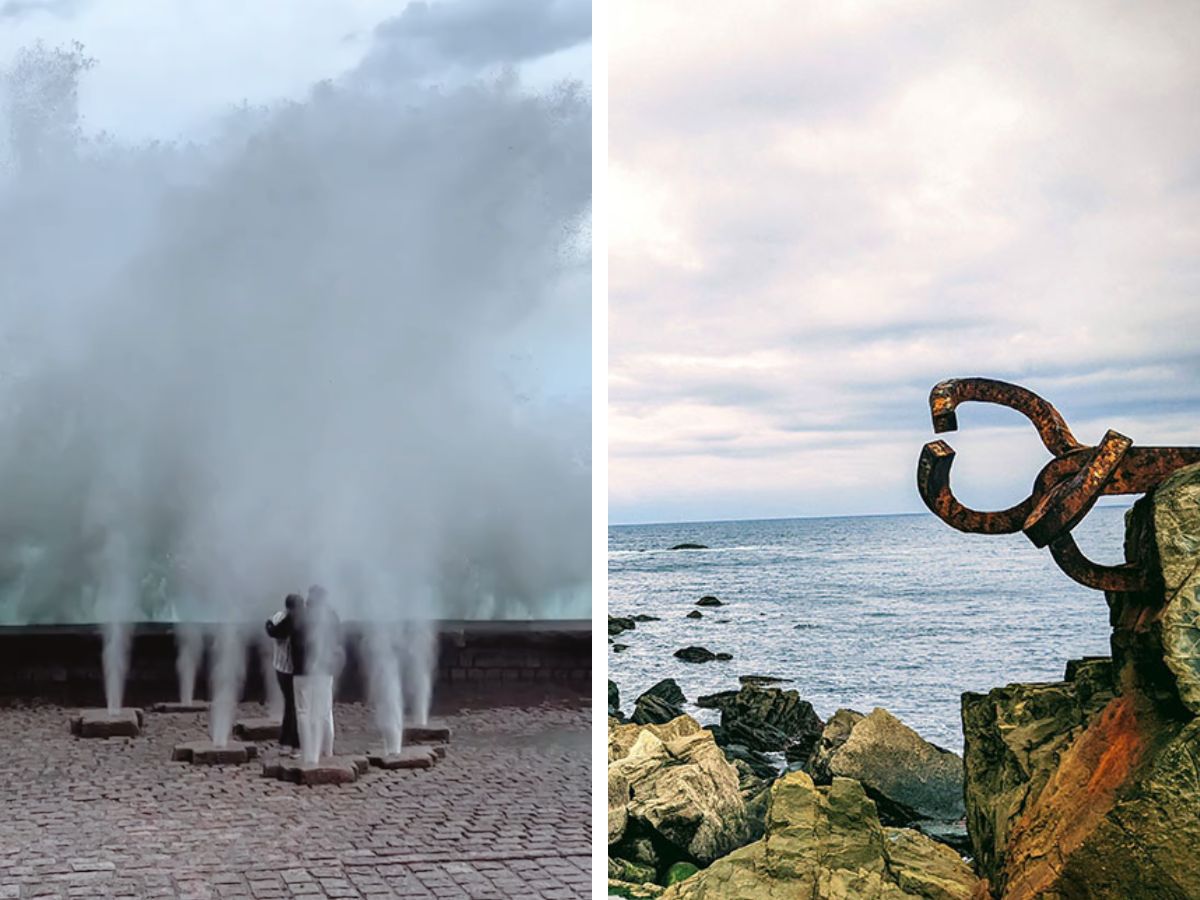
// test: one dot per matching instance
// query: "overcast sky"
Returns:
(168, 68)
(819, 210)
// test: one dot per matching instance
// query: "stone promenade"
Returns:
(505, 814)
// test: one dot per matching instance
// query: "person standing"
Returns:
(279, 627)
(316, 657)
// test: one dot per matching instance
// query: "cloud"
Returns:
(16, 9)
(475, 34)
(820, 211)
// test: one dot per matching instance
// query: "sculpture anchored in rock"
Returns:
(1063, 492)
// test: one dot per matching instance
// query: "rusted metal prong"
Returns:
(1063, 506)
(1127, 577)
(933, 483)
(947, 395)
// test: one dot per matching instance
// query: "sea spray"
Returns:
(332, 335)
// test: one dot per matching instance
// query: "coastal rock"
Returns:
(827, 843)
(760, 680)
(1176, 504)
(659, 705)
(642, 617)
(836, 730)
(717, 700)
(619, 648)
(696, 654)
(679, 789)
(770, 719)
(686, 546)
(614, 700)
(695, 614)
(1014, 737)
(907, 777)
(617, 624)
(709, 600)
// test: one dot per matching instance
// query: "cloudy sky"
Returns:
(819, 210)
(168, 69)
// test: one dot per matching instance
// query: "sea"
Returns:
(901, 612)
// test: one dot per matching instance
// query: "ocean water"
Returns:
(901, 612)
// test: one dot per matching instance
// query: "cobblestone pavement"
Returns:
(505, 814)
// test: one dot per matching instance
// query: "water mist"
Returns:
(344, 334)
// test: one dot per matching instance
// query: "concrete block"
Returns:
(100, 723)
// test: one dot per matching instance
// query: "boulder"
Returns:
(619, 648)
(660, 704)
(617, 624)
(709, 600)
(642, 617)
(717, 700)
(1013, 739)
(833, 735)
(678, 789)
(908, 778)
(695, 614)
(770, 719)
(695, 654)
(827, 843)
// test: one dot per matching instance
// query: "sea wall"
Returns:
(62, 663)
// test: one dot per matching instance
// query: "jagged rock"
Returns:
(709, 600)
(678, 789)
(760, 680)
(717, 700)
(629, 871)
(760, 766)
(695, 654)
(836, 730)
(614, 699)
(617, 624)
(660, 704)
(1013, 738)
(770, 719)
(695, 614)
(646, 891)
(827, 843)
(1176, 505)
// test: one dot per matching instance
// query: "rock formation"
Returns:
(660, 704)
(769, 719)
(1091, 787)
(827, 842)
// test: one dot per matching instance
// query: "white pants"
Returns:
(314, 715)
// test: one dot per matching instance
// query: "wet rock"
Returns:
(709, 601)
(675, 786)
(660, 704)
(833, 735)
(695, 614)
(827, 842)
(770, 719)
(618, 624)
(642, 617)
(1013, 739)
(724, 657)
(695, 654)
(908, 777)
(619, 648)
(687, 546)
(717, 700)
(614, 699)
(760, 680)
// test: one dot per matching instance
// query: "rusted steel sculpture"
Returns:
(1063, 492)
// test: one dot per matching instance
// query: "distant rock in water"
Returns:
(709, 600)
(699, 655)
(760, 680)
(617, 624)
(619, 648)
(695, 614)
(689, 547)
(724, 657)
(642, 617)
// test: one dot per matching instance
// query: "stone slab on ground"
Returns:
(328, 770)
(177, 706)
(257, 729)
(408, 758)
(100, 723)
(206, 753)
(435, 731)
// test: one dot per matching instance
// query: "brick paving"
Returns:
(505, 814)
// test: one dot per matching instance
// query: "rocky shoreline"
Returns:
(1086, 787)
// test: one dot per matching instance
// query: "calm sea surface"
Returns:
(895, 611)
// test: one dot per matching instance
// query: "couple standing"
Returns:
(308, 653)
